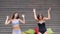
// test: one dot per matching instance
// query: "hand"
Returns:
(7, 16)
(23, 15)
(33, 10)
(49, 9)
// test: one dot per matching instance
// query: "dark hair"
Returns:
(38, 16)
(12, 17)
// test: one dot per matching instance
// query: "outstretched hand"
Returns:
(49, 9)
(7, 16)
(23, 15)
(34, 10)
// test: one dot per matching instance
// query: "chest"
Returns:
(15, 21)
(41, 22)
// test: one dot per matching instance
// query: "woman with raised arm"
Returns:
(41, 21)
(15, 20)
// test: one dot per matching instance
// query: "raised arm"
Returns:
(7, 21)
(35, 16)
(49, 16)
(23, 21)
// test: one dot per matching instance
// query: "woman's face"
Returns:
(40, 16)
(16, 15)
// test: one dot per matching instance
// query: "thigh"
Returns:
(13, 32)
(20, 32)
(46, 32)
(39, 33)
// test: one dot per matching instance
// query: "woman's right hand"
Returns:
(23, 15)
(7, 17)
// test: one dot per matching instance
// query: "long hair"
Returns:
(38, 16)
(12, 17)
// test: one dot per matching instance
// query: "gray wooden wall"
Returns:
(7, 7)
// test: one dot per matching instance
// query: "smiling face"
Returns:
(15, 16)
(41, 16)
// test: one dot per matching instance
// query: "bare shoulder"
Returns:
(45, 17)
(19, 19)
(11, 20)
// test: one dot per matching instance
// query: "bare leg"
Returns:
(46, 32)
(20, 33)
(39, 33)
(13, 32)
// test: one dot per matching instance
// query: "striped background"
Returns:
(7, 7)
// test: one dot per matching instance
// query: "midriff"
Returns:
(16, 27)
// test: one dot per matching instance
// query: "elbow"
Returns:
(6, 24)
(23, 22)
(35, 18)
(49, 18)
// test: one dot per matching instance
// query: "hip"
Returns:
(16, 31)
